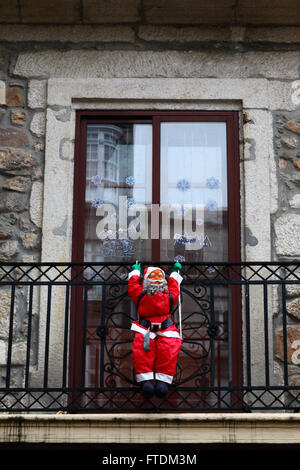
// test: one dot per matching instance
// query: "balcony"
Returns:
(65, 339)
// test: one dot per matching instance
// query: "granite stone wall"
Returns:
(30, 55)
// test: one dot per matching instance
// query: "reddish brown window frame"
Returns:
(231, 118)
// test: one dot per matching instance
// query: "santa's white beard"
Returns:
(151, 289)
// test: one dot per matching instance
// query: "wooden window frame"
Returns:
(231, 118)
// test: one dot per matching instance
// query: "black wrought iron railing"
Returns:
(65, 338)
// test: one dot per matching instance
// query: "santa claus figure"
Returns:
(157, 341)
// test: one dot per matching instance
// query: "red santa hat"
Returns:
(149, 270)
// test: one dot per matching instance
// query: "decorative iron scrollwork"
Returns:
(200, 333)
(102, 331)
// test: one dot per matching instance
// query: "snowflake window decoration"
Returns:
(207, 242)
(130, 180)
(179, 259)
(211, 205)
(130, 202)
(109, 248)
(183, 185)
(212, 183)
(96, 180)
(128, 247)
(211, 270)
(97, 202)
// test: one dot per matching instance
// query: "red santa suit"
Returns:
(160, 361)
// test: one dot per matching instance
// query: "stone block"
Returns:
(9, 12)
(36, 203)
(18, 183)
(273, 13)
(15, 160)
(178, 34)
(295, 381)
(287, 242)
(35, 11)
(293, 290)
(279, 34)
(37, 93)
(8, 250)
(295, 201)
(18, 356)
(18, 117)
(293, 308)
(6, 222)
(111, 11)
(293, 126)
(293, 344)
(66, 33)
(13, 137)
(282, 163)
(188, 12)
(2, 92)
(29, 239)
(5, 308)
(14, 97)
(13, 202)
(252, 92)
(8, 219)
(24, 222)
(4, 233)
(37, 125)
(289, 142)
(38, 146)
(168, 64)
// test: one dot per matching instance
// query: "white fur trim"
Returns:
(135, 272)
(142, 330)
(177, 277)
(169, 334)
(144, 376)
(164, 377)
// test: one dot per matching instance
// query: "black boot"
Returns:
(148, 388)
(161, 388)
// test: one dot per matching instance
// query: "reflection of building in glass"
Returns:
(110, 159)
(102, 179)
(103, 156)
(119, 159)
(212, 246)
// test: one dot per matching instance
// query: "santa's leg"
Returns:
(167, 350)
(143, 363)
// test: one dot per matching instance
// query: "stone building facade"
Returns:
(145, 55)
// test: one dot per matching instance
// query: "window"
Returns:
(155, 186)
(177, 169)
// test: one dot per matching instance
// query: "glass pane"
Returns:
(194, 182)
(118, 177)
(194, 185)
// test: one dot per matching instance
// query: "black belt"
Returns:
(156, 326)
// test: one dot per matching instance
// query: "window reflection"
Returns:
(119, 163)
(194, 172)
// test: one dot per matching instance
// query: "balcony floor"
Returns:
(188, 428)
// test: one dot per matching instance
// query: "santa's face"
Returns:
(156, 276)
